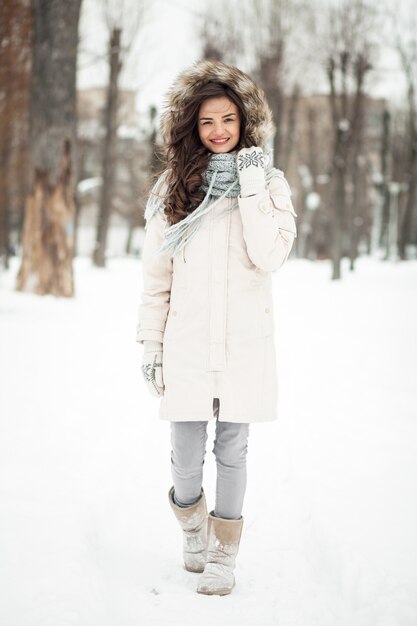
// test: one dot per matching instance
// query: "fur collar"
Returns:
(259, 115)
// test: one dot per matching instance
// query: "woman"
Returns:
(219, 221)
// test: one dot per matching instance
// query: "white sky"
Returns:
(169, 43)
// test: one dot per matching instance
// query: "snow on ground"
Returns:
(329, 539)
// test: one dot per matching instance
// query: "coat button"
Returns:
(174, 312)
(266, 310)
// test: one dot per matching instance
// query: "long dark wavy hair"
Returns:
(186, 157)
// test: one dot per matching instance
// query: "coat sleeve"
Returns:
(269, 227)
(157, 280)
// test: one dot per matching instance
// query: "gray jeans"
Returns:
(188, 442)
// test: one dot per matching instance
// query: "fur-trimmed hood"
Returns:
(259, 115)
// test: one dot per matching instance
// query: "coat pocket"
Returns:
(177, 306)
(284, 213)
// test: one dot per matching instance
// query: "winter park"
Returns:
(185, 224)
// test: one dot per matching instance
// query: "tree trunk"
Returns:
(48, 231)
(290, 139)
(338, 216)
(109, 151)
(48, 234)
(341, 129)
(15, 52)
(357, 208)
(405, 227)
(383, 216)
(269, 72)
(131, 230)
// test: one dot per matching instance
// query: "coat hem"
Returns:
(223, 418)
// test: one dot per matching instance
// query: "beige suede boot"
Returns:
(193, 521)
(222, 548)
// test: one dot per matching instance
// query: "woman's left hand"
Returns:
(152, 367)
(251, 171)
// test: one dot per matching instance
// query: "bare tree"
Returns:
(132, 194)
(156, 151)
(141, 170)
(382, 221)
(271, 25)
(124, 21)
(219, 28)
(347, 59)
(15, 58)
(406, 44)
(290, 135)
(358, 170)
(48, 231)
(274, 28)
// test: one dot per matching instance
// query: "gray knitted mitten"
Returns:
(152, 367)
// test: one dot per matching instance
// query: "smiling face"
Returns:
(219, 124)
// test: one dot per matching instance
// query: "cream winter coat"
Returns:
(212, 305)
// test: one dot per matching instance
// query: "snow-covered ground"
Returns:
(86, 534)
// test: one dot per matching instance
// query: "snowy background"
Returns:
(329, 539)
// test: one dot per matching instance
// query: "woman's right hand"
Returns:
(152, 367)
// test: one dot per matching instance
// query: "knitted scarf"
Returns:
(220, 180)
